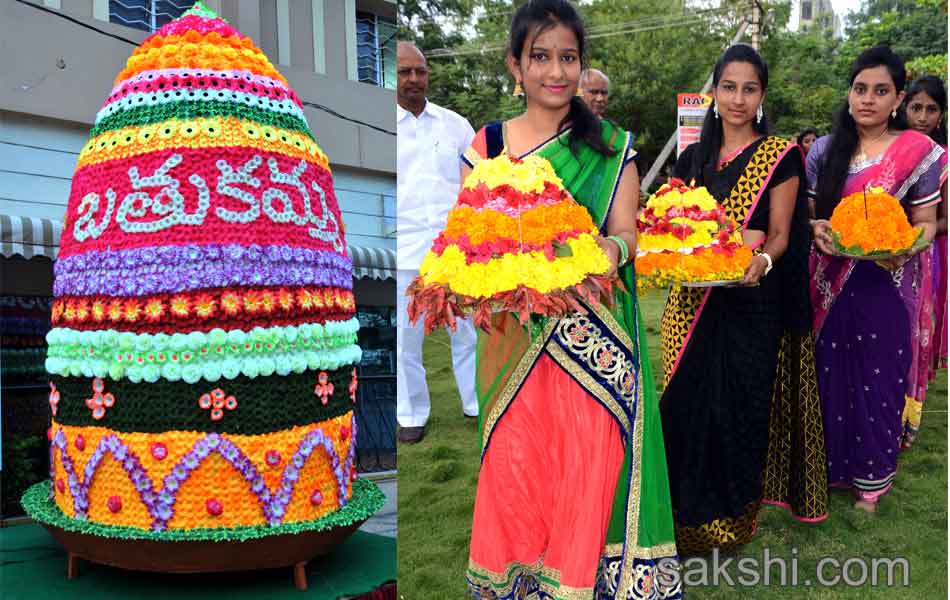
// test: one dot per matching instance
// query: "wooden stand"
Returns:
(300, 576)
(72, 566)
(276, 551)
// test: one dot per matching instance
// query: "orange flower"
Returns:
(537, 226)
(231, 303)
(659, 269)
(285, 299)
(115, 310)
(180, 306)
(131, 311)
(873, 222)
(98, 310)
(58, 307)
(267, 301)
(204, 305)
(82, 310)
(252, 301)
(154, 310)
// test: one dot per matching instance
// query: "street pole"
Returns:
(756, 23)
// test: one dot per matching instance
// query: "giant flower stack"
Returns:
(202, 360)
(515, 241)
(685, 236)
(872, 223)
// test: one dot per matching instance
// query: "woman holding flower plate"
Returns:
(572, 498)
(741, 414)
(866, 312)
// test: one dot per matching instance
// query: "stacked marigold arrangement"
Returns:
(872, 224)
(685, 236)
(202, 361)
(515, 241)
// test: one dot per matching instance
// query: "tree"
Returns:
(653, 49)
(805, 89)
(912, 28)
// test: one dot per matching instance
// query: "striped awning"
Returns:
(373, 263)
(29, 236)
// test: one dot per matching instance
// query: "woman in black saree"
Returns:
(736, 356)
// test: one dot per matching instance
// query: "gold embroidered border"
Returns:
(633, 496)
(614, 326)
(753, 176)
(548, 579)
(590, 346)
(514, 382)
(724, 532)
(667, 550)
(567, 593)
(589, 384)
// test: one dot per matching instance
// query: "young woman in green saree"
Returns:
(573, 499)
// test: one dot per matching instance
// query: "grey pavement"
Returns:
(383, 522)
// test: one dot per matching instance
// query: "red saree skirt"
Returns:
(546, 485)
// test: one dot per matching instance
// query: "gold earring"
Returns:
(579, 92)
(519, 92)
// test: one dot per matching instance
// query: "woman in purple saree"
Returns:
(865, 313)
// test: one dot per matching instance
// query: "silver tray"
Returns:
(711, 284)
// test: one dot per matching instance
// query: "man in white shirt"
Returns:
(430, 140)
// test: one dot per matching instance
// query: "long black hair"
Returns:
(710, 138)
(535, 17)
(933, 87)
(844, 136)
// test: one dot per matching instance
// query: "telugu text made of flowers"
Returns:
(142, 212)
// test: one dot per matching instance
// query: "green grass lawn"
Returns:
(437, 481)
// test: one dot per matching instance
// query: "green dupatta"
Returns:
(641, 524)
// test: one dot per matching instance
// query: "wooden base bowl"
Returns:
(270, 552)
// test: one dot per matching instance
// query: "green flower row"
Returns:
(197, 355)
(147, 115)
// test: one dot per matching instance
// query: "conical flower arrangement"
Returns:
(515, 241)
(202, 360)
(685, 236)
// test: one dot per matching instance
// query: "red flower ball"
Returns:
(159, 450)
(60, 485)
(214, 507)
(80, 442)
(316, 498)
(114, 503)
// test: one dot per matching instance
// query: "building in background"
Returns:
(60, 56)
(814, 13)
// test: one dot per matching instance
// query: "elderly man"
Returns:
(430, 140)
(595, 89)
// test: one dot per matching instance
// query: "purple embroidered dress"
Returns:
(865, 321)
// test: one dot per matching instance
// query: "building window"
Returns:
(147, 15)
(375, 410)
(26, 289)
(376, 50)
(806, 10)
